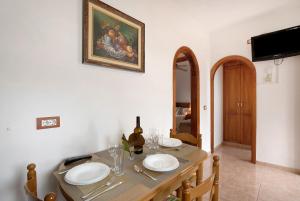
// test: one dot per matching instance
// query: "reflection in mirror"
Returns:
(183, 94)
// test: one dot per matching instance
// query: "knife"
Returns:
(68, 161)
(108, 189)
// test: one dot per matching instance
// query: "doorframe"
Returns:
(195, 87)
(213, 71)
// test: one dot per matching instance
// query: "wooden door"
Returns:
(231, 99)
(237, 103)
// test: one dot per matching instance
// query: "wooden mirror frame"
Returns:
(195, 89)
(213, 71)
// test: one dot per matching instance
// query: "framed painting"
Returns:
(112, 38)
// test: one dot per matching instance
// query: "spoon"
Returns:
(140, 170)
(108, 183)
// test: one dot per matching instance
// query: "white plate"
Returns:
(161, 162)
(170, 142)
(87, 173)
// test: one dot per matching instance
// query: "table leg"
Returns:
(199, 177)
(179, 192)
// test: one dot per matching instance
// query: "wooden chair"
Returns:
(195, 141)
(211, 184)
(31, 186)
(187, 138)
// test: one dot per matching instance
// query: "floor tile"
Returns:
(241, 180)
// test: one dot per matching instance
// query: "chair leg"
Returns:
(216, 167)
(199, 177)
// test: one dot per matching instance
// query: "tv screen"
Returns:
(279, 44)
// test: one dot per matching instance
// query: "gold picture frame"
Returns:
(111, 38)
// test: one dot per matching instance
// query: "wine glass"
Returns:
(131, 152)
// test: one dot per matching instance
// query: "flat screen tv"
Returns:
(278, 44)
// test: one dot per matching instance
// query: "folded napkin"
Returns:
(70, 160)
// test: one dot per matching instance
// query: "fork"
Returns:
(108, 183)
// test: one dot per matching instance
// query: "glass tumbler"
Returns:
(119, 161)
(155, 139)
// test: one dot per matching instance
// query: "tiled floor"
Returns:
(241, 180)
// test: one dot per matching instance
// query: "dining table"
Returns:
(136, 186)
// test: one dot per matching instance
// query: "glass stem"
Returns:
(115, 163)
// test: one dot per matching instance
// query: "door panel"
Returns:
(231, 99)
(246, 106)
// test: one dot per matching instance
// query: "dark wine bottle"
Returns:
(136, 138)
(138, 128)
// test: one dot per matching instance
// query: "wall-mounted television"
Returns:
(278, 44)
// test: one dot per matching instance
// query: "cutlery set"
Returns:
(101, 192)
(140, 170)
(107, 184)
(93, 193)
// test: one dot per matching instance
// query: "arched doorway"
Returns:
(185, 54)
(252, 87)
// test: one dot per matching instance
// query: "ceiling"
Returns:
(214, 14)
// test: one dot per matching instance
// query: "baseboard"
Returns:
(218, 147)
(232, 144)
(288, 169)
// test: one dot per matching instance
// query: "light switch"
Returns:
(47, 122)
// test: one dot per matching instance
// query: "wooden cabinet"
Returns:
(237, 102)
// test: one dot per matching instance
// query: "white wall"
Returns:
(183, 83)
(218, 107)
(41, 74)
(278, 110)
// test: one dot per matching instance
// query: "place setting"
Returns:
(151, 163)
(158, 164)
(171, 144)
(93, 177)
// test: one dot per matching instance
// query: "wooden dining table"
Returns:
(136, 186)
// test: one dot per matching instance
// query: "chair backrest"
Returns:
(187, 138)
(211, 184)
(31, 186)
